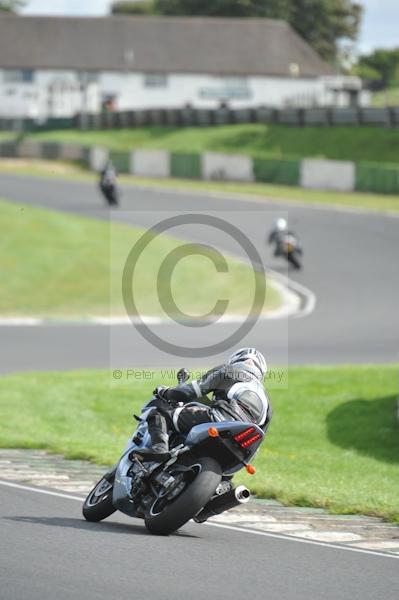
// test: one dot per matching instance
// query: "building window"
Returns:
(236, 83)
(227, 88)
(19, 76)
(86, 77)
(155, 80)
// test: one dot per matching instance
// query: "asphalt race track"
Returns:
(52, 553)
(350, 266)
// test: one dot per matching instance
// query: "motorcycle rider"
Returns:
(238, 395)
(108, 183)
(279, 232)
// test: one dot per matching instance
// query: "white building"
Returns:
(56, 67)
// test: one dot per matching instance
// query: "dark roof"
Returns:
(155, 44)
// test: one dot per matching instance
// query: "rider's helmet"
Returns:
(258, 362)
(280, 224)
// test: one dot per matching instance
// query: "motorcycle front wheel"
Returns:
(98, 504)
(165, 517)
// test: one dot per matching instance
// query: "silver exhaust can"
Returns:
(219, 504)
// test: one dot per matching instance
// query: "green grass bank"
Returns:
(58, 265)
(369, 144)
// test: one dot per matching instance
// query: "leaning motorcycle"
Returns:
(193, 482)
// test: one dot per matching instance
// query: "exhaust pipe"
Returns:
(235, 497)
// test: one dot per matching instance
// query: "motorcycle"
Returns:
(108, 184)
(192, 482)
(289, 247)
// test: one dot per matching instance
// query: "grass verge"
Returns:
(333, 441)
(55, 264)
(374, 144)
(268, 192)
(389, 97)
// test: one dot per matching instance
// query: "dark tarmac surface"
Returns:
(53, 553)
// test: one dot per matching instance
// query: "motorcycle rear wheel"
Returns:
(294, 260)
(196, 495)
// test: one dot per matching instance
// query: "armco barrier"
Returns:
(54, 123)
(204, 117)
(172, 118)
(150, 163)
(307, 173)
(266, 115)
(376, 116)
(30, 149)
(328, 175)
(394, 116)
(190, 116)
(242, 115)
(290, 116)
(121, 161)
(9, 149)
(141, 118)
(222, 117)
(97, 158)
(345, 116)
(226, 167)
(316, 116)
(155, 117)
(187, 166)
(51, 151)
(376, 178)
(283, 172)
(73, 152)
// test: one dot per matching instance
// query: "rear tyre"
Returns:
(293, 259)
(98, 504)
(207, 476)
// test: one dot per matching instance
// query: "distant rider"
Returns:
(108, 184)
(279, 234)
(238, 395)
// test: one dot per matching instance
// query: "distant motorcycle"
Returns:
(193, 482)
(285, 242)
(108, 184)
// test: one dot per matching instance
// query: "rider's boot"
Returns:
(158, 430)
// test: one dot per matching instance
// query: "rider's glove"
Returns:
(160, 390)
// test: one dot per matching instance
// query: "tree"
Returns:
(369, 75)
(383, 62)
(133, 8)
(11, 6)
(224, 8)
(323, 23)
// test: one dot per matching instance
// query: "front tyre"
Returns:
(98, 504)
(207, 476)
(294, 260)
